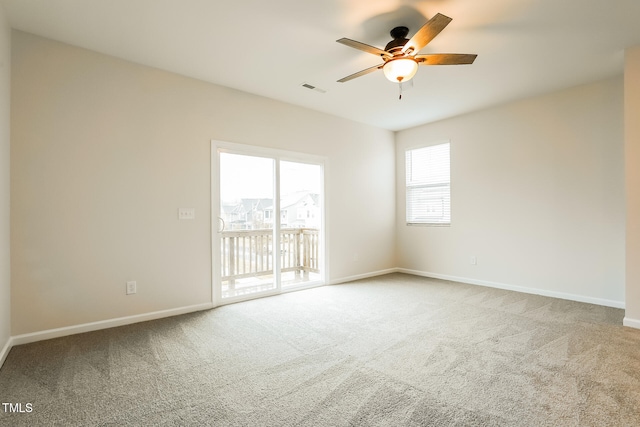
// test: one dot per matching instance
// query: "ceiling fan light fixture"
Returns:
(400, 70)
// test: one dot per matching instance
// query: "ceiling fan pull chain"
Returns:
(400, 87)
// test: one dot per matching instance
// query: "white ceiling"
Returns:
(269, 48)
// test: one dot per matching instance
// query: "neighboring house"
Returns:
(298, 210)
(247, 214)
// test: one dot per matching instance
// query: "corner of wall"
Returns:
(5, 105)
(631, 323)
(632, 184)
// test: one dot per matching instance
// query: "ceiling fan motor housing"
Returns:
(399, 35)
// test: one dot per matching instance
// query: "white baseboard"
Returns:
(121, 321)
(363, 276)
(632, 323)
(104, 324)
(524, 289)
(5, 351)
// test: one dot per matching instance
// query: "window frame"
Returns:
(426, 184)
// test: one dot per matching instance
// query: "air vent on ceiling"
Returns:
(312, 87)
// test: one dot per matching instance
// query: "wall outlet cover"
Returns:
(132, 287)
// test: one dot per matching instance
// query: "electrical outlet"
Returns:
(132, 287)
(473, 260)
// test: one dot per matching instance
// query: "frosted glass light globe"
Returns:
(400, 70)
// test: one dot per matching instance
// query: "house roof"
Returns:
(293, 199)
(524, 47)
(247, 205)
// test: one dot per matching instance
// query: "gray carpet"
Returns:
(395, 350)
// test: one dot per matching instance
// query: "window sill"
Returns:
(428, 224)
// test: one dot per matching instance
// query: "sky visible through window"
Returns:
(246, 177)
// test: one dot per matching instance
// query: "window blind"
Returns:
(428, 185)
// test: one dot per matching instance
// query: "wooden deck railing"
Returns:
(248, 253)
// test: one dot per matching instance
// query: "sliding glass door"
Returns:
(300, 222)
(247, 236)
(268, 234)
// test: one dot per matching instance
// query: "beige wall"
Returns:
(632, 181)
(5, 289)
(537, 196)
(104, 152)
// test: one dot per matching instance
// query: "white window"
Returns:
(428, 185)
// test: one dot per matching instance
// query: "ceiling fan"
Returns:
(401, 57)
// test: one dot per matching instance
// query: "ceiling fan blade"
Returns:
(446, 58)
(427, 33)
(364, 47)
(360, 73)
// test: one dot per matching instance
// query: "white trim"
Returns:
(277, 224)
(410, 184)
(277, 155)
(104, 324)
(428, 144)
(632, 323)
(121, 321)
(325, 271)
(284, 290)
(262, 151)
(363, 276)
(524, 289)
(216, 295)
(5, 351)
(302, 286)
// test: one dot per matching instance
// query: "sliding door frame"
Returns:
(277, 155)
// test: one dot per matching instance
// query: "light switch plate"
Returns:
(186, 213)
